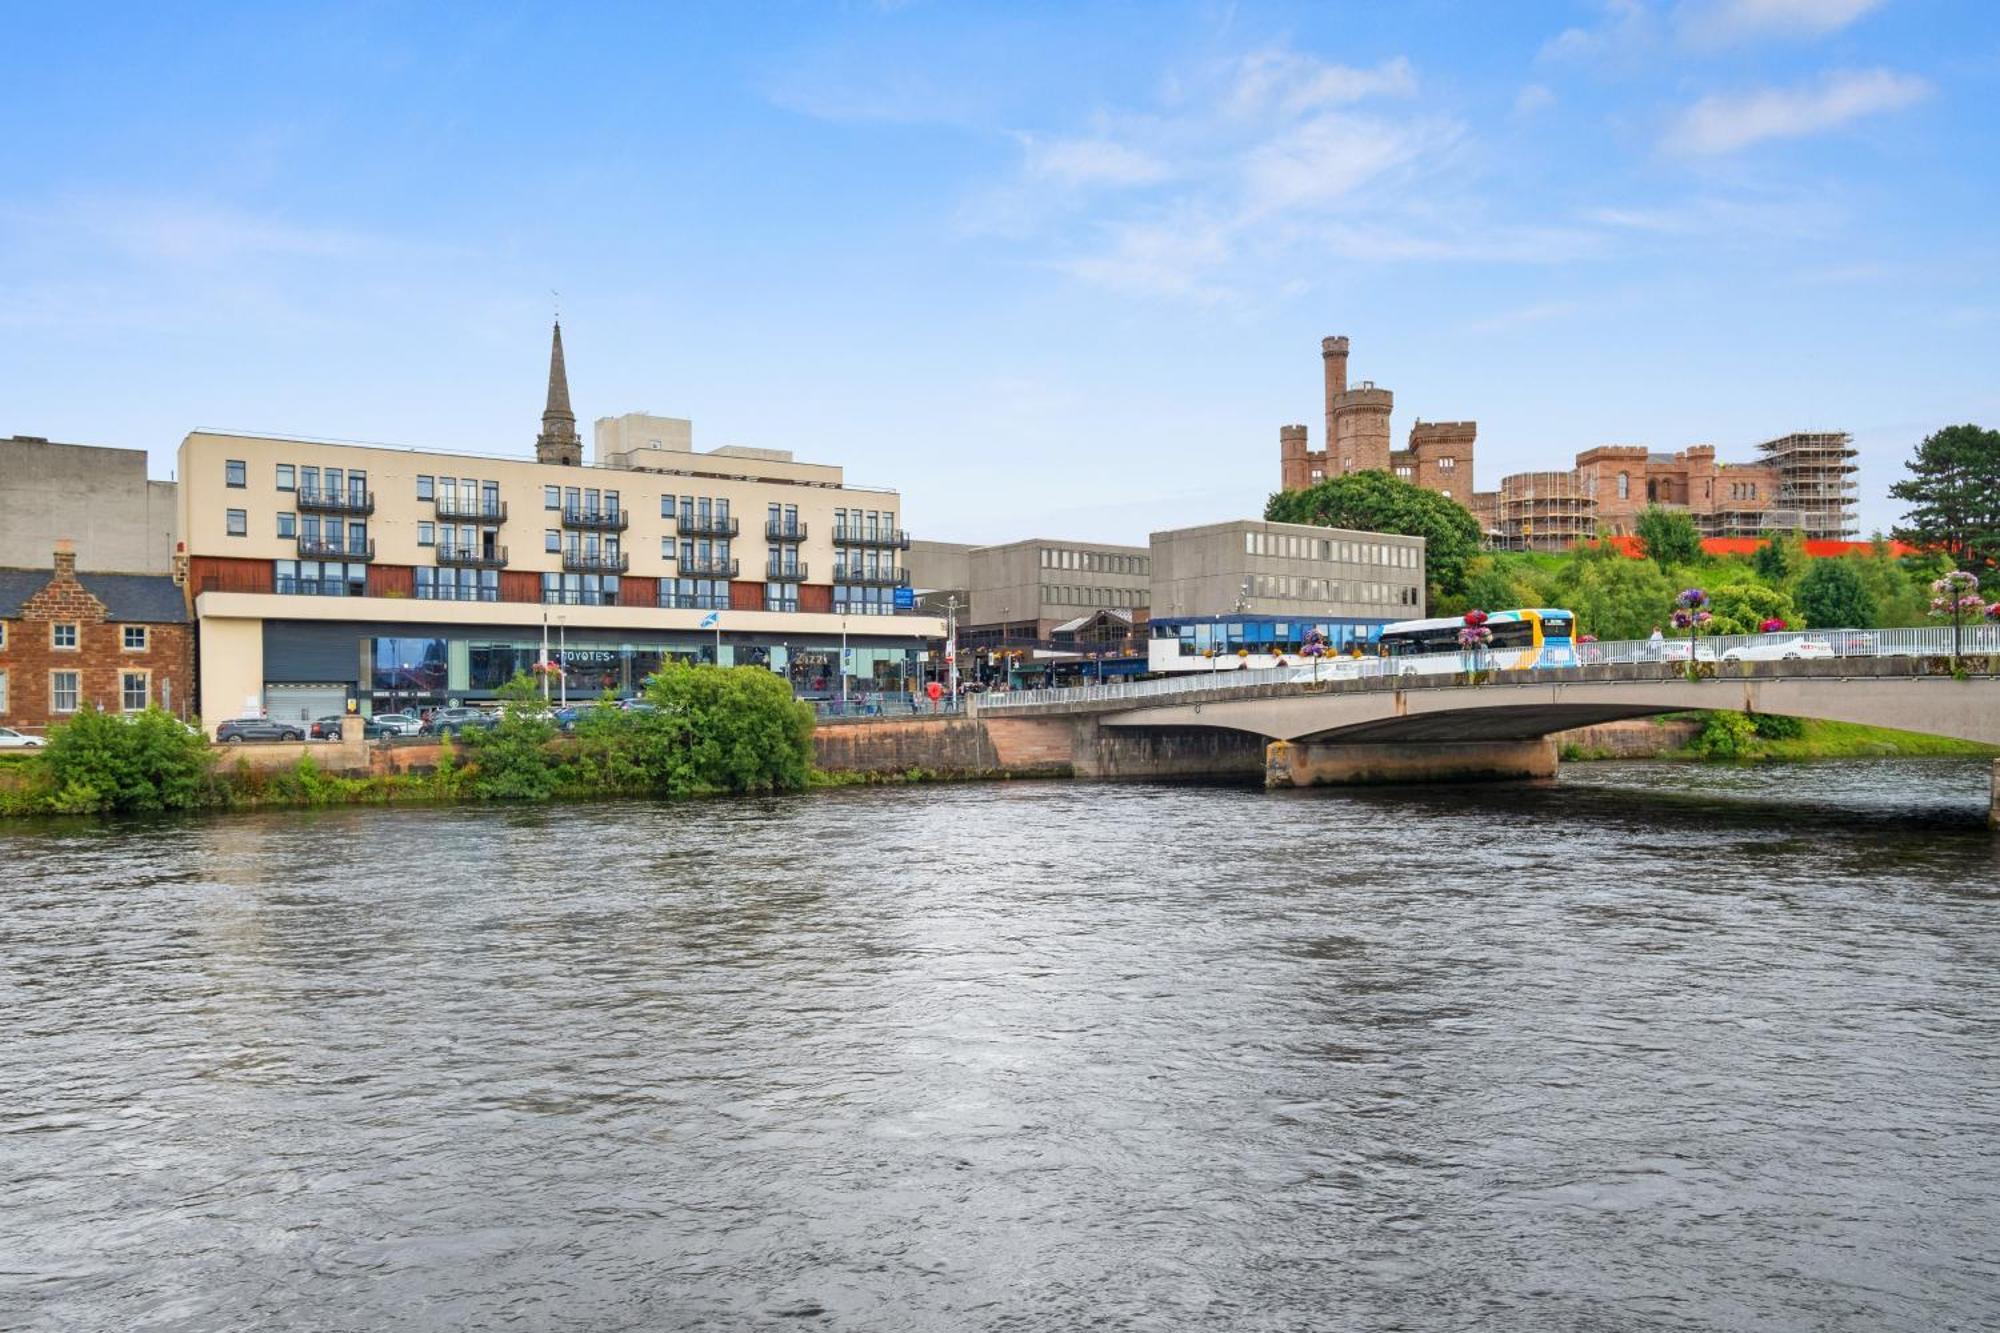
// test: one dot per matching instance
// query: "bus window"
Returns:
(1513, 633)
(1555, 627)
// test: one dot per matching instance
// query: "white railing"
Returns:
(1798, 645)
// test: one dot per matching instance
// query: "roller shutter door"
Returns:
(303, 703)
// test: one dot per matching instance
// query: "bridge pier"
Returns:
(1325, 764)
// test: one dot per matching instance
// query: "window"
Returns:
(426, 488)
(238, 522)
(666, 506)
(63, 691)
(552, 497)
(551, 540)
(666, 548)
(288, 525)
(236, 472)
(1624, 486)
(3, 643)
(135, 638)
(133, 688)
(3, 693)
(427, 534)
(1447, 464)
(63, 636)
(288, 479)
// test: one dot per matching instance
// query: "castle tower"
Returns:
(1333, 356)
(558, 442)
(1294, 469)
(1361, 430)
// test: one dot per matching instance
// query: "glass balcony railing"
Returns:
(472, 557)
(335, 502)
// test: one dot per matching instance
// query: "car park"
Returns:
(11, 739)
(1779, 648)
(239, 729)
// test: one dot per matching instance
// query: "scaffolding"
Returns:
(1816, 482)
(1543, 511)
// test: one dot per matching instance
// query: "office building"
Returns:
(100, 499)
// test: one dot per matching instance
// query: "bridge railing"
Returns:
(1801, 645)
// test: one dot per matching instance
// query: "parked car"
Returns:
(400, 724)
(334, 728)
(1779, 648)
(1676, 650)
(239, 729)
(448, 722)
(11, 739)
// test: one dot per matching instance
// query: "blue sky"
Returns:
(1050, 269)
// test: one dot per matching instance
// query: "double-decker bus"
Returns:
(1531, 637)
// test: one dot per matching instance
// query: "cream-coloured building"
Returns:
(323, 572)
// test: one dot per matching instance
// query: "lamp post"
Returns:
(562, 658)
(543, 666)
(843, 664)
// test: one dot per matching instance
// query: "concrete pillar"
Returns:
(352, 758)
(1321, 764)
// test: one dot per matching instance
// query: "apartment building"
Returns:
(322, 571)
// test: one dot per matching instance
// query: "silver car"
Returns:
(11, 739)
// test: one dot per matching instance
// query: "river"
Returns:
(1654, 1047)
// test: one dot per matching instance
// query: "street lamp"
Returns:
(562, 659)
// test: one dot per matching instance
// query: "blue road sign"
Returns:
(906, 598)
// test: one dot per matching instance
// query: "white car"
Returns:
(1779, 648)
(11, 739)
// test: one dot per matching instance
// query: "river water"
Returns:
(1654, 1047)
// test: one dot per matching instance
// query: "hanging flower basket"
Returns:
(1474, 636)
(1475, 617)
(1771, 626)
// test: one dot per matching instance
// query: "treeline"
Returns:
(1617, 597)
(703, 731)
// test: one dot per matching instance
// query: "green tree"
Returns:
(1668, 536)
(1613, 597)
(514, 763)
(1901, 597)
(1740, 608)
(731, 729)
(1496, 582)
(129, 762)
(1374, 501)
(1953, 491)
(1780, 559)
(1833, 596)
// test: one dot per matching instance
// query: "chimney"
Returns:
(65, 558)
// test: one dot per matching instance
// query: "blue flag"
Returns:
(708, 621)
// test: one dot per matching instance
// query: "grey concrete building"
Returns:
(100, 498)
(1255, 568)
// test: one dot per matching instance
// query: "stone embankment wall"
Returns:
(1643, 738)
(953, 746)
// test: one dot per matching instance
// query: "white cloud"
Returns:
(1290, 83)
(1718, 23)
(1533, 99)
(1539, 313)
(1627, 26)
(1726, 122)
(1326, 159)
(1091, 162)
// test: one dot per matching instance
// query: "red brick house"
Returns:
(119, 641)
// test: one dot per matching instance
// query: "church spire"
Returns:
(558, 442)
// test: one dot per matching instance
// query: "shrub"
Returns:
(1724, 735)
(513, 756)
(1777, 727)
(129, 763)
(729, 729)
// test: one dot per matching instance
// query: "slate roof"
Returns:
(148, 597)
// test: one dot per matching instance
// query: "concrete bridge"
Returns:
(1470, 726)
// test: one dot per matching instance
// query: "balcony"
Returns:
(780, 572)
(781, 604)
(887, 576)
(714, 567)
(706, 525)
(335, 502)
(596, 562)
(597, 520)
(674, 601)
(333, 548)
(291, 587)
(451, 592)
(472, 557)
(778, 530)
(845, 534)
(567, 597)
(472, 510)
